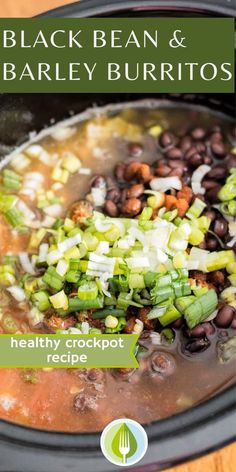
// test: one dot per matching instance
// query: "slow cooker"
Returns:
(183, 436)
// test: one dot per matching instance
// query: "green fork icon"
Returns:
(124, 444)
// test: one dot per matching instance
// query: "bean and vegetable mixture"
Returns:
(124, 222)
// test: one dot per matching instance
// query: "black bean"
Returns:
(197, 345)
(217, 278)
(211, 214)
(233, 324)
(84, 402)
(212, 194)
(224, 316)
(190, 152)
(163, 363)
(178, 172)
(131, 207)
(196, 160)
(185, 143)
(176, 163)
(174, 153)
(135, 191)
(166, 139)
(216, 137)
(209, 328)
(218, 149)
(211, 244)
(230, 161)
(111, 208)
(95, 375)
(178, 323)
(198, 133)
(209, 184)
(217, 172)
(197, 332)
(207, 160)
(162, 170)
(113, 194)
(119, 171)
(220, 227)
(135, 149)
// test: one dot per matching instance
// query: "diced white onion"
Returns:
(197, 177)
(162, 184)
(48, 221)
(26, 263)
(43, 250)
(136, 262)
(54, 210)
(85, 327)
(25, 210)
(53, 257)
(17, 293)
(62, 267)
(69, 243)
(98, 195)
(35, 316)
(34, 150)
(85, 171)
(20, 162)
(103, 247)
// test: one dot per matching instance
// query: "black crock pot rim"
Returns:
(189, 420)
(99, 7)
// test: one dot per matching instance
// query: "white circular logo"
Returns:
(124, 442)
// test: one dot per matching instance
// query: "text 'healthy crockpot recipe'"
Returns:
(121, 221)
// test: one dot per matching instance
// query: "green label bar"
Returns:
(117, 55)
(62, 350)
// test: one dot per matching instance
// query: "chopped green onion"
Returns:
(168, 335)
(196, 209)
(171, 315)
(41, 300)
(88, 291)
(201, 308)
(108, 311)
(53, 279)
(59, 300)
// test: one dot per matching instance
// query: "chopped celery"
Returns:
(201, 308)
(171, 315)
